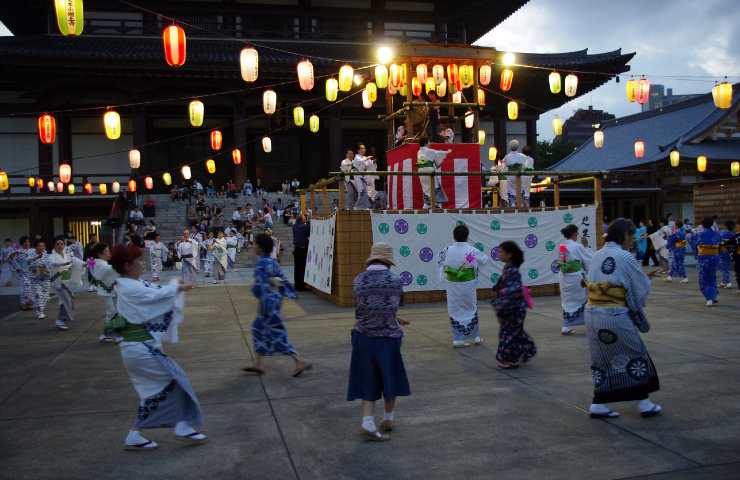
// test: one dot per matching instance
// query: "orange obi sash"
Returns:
(708, 249)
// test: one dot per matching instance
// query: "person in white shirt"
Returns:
(347, 166)
(458, 269)
(527, 180)
(514, 160)
(429, 160)
(236, 218)
(360, 165)
(104, 280)
(574, 261)
(66, 272)
(188, 250)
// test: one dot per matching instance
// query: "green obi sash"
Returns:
(425, 164)
(129, 331)
(462, 274)
(67, 275)
(571, 266)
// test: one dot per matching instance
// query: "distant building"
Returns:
(580, 127)
(660, 97)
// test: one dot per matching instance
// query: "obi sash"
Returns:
(129, 331)
(571, 266)
(603, 294)
(189, 255)
(708, 249)
(462, 274)
(681, 243)
(425, 164)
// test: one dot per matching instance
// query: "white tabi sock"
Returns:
(388, 416)
(183, 428)
(368, 423)
(599, 408)
(645, 405)
(135, 437)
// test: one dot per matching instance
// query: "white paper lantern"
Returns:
(269, 101)
(267, 144)
(134, 158)
(249, 64)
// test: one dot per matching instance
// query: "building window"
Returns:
(114, 23)
(410, 6)
(423, 31)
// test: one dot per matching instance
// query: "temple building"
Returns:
(684, 144)
(119, 61)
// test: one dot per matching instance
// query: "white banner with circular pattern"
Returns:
(418, 238)
(320, 258)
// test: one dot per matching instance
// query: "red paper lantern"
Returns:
(236, 156)
(47, 129)
(453, 75)
(149, 183)
(40, 183)
(132, 185)
(65, 172)
(642, 94)
(88, 188)
(507, 76)
(415, 86)
(639, 149)
(175, 45)
(216, 140)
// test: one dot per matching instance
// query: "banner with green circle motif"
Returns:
(418, 240)
(320, 258)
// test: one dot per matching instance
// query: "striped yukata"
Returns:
(38, 278)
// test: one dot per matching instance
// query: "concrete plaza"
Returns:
(66, 401)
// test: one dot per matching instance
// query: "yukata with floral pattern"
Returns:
(621, 367)
(458, 268)
(268, 330)
(514, 344)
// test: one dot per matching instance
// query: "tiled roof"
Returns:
(662, 129)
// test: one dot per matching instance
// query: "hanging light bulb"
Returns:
(71, 188)
(722, 95)
(65, 172)
(571, 85)
(132, 185)
(481, 97)
(211, 166)
(430, 86)
(675, 157)
(457, 97)
(103, 188)
(236, 156)
(372, 92)
(249, 64)
(298, 116)
(421, 72)
(305, 75)
(512, 108)
(134, 159)
(701, 163)
(185, 172)
(642, 94)
(175, 45)
(469, 119)
(47, 129)
(216, 140)
(346, 77)
(631, 89)
(331, 89)
(116, 187)
(735, 169)
(384, 54)
(70, 16)
(167, 178)
(557, 126)
(269, 101)
(482, 137)
(484, 74)
(88, 188)
(112, 123)
(196, 111)
(381, 76)
(148, 183)
(639, 149)
(555, 82)
(267, 143)
(438, 73)
(492, 153)
(313, 123)
(507, 77)
(442, 88)
(508, 59)
(599, 138)
(366, 103)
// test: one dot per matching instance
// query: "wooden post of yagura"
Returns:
(556, 193)
(303, 203)
(599, 212)
(432, 192)
(342, 194)
(495, 196)
(518, 185)
(313, 202)
(325, 198)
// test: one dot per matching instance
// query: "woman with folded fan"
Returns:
(621, 367)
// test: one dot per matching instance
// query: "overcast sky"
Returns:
(685, 37)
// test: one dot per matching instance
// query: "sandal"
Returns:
(255, 370)
(148, 445)
(375, 436)
(568, 333)
(507, 366)
(299, 371)
(609, 414)
(386, 426)
(655, 410)
(189, 438)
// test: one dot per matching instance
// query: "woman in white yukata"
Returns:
(103, 278)
(621, 367)
(6, 265)
(157, 256)
(38, 277)
(573, 261)
(188, 250)
(66, 272)
(19, 260)
(208, 242)
(232, 245)
(148, 315)
(221, 259)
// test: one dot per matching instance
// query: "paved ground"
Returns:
(66, 402)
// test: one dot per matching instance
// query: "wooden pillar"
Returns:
(390, 124)
(240, 138)
(64, 137)
(342, 194)
(432, 192)
(556, 193)
(45, 161)
(313, 201)
(599, 212)
(532, 133)
(499, 136)
(325, 198)
(303, 203)
(495, 197)
(518, 183)
(476, 111)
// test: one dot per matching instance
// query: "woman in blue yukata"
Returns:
(676, 244)
(147, 315)
(707, 244)
(725, 255)
(621, 367)
(515, 346)
(268, 330)
(376, 368)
